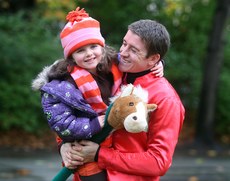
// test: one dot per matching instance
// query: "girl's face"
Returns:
(88, 57)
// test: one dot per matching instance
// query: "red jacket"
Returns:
(147, 156)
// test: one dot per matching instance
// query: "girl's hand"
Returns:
(101, 120)
(158, 69)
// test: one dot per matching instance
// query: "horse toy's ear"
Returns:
(130, 110)
(127, 90)
(151, 107)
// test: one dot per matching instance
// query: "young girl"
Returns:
(76, 90)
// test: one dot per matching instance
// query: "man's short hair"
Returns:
(154, 35)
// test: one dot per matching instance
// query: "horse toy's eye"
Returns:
(131, 103)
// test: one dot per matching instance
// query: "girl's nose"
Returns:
(89, 52)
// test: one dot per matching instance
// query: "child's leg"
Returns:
(101, 176)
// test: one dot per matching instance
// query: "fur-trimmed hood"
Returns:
(42, 77)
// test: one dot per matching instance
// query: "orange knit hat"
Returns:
(80, 30)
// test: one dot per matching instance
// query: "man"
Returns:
(139, 156)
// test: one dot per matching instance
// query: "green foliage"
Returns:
(190, 30)
(115, 16)
(27, 44)
(189, 36)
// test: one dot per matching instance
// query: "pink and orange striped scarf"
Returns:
(89, 88)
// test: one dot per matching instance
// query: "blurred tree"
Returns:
(29, 41)
(25, 49)
(211, 74)
(55, 9)
(115, 16)
(12, 6)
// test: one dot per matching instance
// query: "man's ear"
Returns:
(153, 59)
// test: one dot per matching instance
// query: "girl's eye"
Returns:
(94, 46)
(79, 50)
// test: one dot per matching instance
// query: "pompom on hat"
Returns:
(80, 30)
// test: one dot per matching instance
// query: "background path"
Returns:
(42, 165)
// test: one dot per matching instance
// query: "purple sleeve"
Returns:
(69, 122)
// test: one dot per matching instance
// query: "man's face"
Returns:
(133, 54)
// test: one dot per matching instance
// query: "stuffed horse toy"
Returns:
(128, 110)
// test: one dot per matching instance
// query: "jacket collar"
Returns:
(129, 78)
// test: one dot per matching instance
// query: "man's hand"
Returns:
(86, 149)
(70, 156)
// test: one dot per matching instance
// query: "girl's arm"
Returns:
(68, 122)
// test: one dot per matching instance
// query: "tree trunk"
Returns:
(212, 66)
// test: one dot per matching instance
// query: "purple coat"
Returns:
(68, 114)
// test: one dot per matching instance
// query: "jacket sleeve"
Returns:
(164, 127)
(70, 120)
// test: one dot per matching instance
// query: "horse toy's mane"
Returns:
(129, 89)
